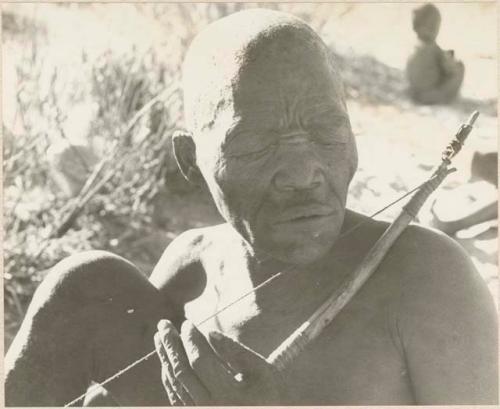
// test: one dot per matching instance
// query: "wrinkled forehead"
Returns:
(290, 65)
(252, 56)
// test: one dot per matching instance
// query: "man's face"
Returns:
(276, 156)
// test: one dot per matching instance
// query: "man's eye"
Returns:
(331, 136)
(254, 152)
(330, 131)
(327, 139)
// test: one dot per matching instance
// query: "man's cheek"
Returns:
(214, 173)
(339, 172)
(241, 189)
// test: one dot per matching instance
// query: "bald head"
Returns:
(246, 49)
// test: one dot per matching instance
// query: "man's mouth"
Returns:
(304, 214)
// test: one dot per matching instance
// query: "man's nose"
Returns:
(298, 169)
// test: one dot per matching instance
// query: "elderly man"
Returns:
(270, 136)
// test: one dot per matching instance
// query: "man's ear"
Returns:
(185, 155)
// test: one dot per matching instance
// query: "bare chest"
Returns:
(356, 361)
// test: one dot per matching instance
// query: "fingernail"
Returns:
(163, 325)
(188, 330)
(187, 324)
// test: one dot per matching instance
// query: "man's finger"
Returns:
(179, 363)
(250, 366)
(177, 395)
(206, 363)
(172, 396)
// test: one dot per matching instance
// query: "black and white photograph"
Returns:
(250, 204)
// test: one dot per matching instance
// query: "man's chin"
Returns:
(301, 253)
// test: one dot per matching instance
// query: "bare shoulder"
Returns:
(435, 269)
(179, 274)
(432, 259)
(420, 261)
(447, 321)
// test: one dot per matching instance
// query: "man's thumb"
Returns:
(238, 356)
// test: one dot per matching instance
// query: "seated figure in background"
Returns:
(434, 75)
(269, 133)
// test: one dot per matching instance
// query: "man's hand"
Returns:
(219, 371)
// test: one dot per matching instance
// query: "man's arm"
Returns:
(448, 326)
(179, 274)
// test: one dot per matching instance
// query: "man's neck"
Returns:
(297, 284)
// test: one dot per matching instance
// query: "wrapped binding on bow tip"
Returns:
(319, 320)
